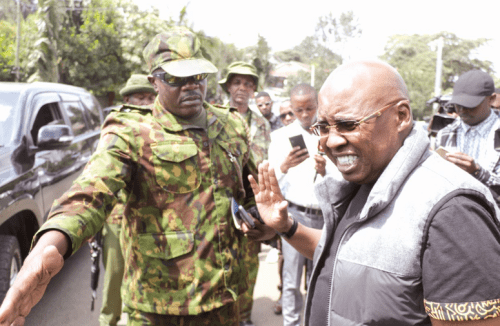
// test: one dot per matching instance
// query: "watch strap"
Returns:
(292, 230)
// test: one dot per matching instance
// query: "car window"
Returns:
(48, 114)
(76, 117)
(8, 101)
(93, 110)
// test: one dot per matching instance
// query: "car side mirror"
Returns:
(54, 137)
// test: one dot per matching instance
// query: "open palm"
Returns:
(270, 202)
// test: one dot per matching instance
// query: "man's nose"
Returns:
(334, 139)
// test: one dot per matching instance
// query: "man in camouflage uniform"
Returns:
(137, 91)
(178, 163)
(240, 83)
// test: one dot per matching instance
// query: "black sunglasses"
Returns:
(178, 81)
(283, 115)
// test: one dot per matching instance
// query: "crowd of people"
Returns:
(389, 230)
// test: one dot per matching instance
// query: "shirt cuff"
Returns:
(463, 311)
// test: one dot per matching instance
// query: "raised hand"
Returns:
(270, 202)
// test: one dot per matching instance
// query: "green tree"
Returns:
(45, 57)
(7, 50)
(311, 52)
(415, 58)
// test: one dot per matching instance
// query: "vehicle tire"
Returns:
(10, 263)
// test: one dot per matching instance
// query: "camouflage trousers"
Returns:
(251, 261)
(227, 315)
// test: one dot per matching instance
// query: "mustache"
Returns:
(191, 95)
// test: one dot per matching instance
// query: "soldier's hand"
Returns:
(463, 161)
(30, 285)
(261, 232)
(270, 202)
(294, 158)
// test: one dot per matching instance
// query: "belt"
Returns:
(312, 211)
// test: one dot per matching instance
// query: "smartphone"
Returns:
(298, 141)
(241, 215)
(442, 152)
(246, 217)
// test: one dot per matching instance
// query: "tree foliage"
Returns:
(7, 50)
(311, 52)
(415, 58)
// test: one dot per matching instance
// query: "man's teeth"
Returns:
(346, 160)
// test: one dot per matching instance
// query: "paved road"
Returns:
(67, 300)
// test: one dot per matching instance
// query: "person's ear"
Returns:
(405, 118)
(126, 98)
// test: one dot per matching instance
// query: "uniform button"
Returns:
(216, 181)
(226, 267)
(205, 144)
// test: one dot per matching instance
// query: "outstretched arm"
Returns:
(44, 261)
(273, 210)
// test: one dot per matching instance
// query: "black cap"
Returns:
(471, 88)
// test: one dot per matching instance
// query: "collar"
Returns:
(216, 117)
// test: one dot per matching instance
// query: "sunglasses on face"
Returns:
(264, 104)
(283, 115)
(459, 107)
(178, 81)
(344, 127)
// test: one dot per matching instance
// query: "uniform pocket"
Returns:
(176, 166)
(167, 245)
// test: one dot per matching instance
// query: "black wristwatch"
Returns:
(292, 230)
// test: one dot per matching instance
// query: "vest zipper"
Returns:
(333, 271)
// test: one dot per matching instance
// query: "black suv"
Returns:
(48, 132)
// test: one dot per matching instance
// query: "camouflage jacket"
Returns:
(260, 134)
(178, 238)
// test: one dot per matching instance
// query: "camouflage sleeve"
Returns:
(82, 210)
(249, 166)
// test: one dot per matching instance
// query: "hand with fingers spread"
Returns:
(270, 202)
(463, 161)
(30, 285)
(294, 158)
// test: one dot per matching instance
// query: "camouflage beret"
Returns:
(137, 83)
(239, 68)
(178, 52)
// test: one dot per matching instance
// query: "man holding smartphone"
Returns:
(298, 164)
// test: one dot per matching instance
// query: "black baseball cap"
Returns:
(471, 88)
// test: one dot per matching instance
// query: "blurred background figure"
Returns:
(265, 105)
(137, 91)
(472, 140)
(240, 83)
(286, 113)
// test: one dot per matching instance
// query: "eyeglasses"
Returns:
(343, 127)
(459, 107)
(264, 104)
(179, 81)
(283, 115)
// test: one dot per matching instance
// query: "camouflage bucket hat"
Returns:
(137, 83)
(177, 51)
(239, 68)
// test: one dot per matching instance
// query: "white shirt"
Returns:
(297, 185)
